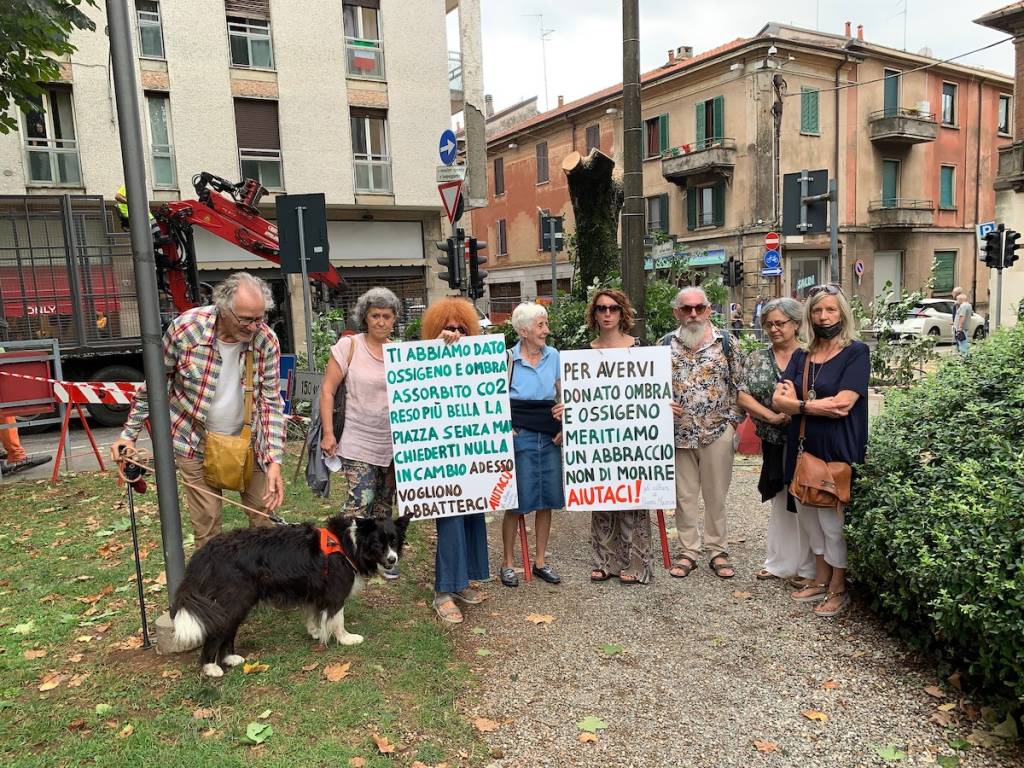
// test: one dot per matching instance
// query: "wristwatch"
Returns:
(803, 403)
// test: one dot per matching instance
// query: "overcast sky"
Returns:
(584, 52)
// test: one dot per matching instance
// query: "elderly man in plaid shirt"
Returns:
(204, 354)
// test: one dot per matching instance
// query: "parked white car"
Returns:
(934, 317)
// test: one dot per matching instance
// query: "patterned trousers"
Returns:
(622, 542)
(371, 489)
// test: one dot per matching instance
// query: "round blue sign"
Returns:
(772, 259)
(447, 147)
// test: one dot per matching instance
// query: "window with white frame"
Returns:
(949, 103)
(364, 50)
(259, 142)
(151, 35)
(250, 42)
(51, 148)
(161, 145)
(370, 152)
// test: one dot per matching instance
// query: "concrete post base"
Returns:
(165, 640)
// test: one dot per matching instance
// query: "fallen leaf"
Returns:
(540, 618)
(742, 595)
(889, 752)
(356, 762)
(945, 719)
(104, 709)
(485, 725)
(264, 714)
(254, 668)
(319, 647)
(970, 710)
(830, 685)
(813, 714)
(23, 629)
(611, 649)
(586, 736)
(77, 724)
(130, 644)
(83, 639)
(171, 674)
(591, 724)
(765, 746)
(125, 732)
(208, 733)
(482, 652)
(418, 764)
(74, 658)
(384, 746)
(77, 680)
(336, 672)
(947, 707)
(34, 653)
(478, 631)
(203, 713)
(310, 667)
(162, 578)
(959, 744)
(51, 681)
(1006, 729)
(934, 691)
(257, 733)
(954, 680)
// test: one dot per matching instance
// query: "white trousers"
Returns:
(787, 549)
(824, 529)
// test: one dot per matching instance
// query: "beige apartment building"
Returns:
(344, 97)
(913, 144)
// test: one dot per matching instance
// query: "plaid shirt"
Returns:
(193, 366)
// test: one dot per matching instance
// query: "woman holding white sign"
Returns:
(621, 540)
(533, 397)
(461, 539)
(788, 551)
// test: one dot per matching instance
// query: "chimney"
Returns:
(561, 101)
(488, 105)
(684, 52)
(671, 56)
(847, 29)
(860, 31)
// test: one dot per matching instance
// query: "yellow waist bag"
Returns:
(228, 459)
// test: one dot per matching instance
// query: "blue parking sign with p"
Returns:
(984, 228)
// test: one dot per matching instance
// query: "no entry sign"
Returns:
(772, 241)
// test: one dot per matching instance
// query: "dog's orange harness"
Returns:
(330, 545)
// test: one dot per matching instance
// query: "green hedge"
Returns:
(936, 527)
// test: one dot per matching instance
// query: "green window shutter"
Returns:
(943, 271)
(809, 111)
(691, 207)
(663, 133)
(699, 135)
(663, 201)
(718, 117)
(718, 201)
(946, 199)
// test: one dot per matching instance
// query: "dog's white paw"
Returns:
(232, 660)
(350, 639)
(213, 670)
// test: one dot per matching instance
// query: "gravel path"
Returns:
(703, 672)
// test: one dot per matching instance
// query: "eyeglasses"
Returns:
(832, 289)
(457, 329)
(694, 309)
(771, 324)
(607, 309)
(247, 320)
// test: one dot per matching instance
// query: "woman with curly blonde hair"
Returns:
(462, 539)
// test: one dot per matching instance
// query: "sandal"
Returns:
(765, 575)
(509, 578)
(447, 610)
(469, 596)
(844, 604)
(817, 593)
(685, 564)
(600, 574)
(719, 563)
(800, 582)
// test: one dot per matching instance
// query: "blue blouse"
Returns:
(529, 383)
(844, 439)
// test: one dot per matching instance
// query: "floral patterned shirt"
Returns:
(705, 384)
(760, 375)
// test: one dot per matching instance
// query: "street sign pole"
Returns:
(999, 276)
(554, 265)
(306, 308)
(833, 215)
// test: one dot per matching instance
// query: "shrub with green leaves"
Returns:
(936, 520)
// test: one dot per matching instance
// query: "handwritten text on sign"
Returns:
(451, 429)
(619, 450)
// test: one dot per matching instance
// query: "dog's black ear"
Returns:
(365, 524)
(403, 522)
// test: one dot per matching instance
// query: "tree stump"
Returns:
(596, 196)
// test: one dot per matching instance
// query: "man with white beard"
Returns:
(706, 379)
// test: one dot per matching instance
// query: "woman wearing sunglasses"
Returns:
(788, 554)
(832, 410)
(621, 540)
(462, 539)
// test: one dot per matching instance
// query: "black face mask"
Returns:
(827, 331)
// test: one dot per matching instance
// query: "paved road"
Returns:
(81, 455)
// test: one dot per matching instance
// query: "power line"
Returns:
(909, 71)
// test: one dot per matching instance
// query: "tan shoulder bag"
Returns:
(228, 459)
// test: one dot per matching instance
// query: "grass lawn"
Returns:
(69, 624)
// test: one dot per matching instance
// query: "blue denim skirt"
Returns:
(538, 472)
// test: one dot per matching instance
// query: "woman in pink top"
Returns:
(365, 444)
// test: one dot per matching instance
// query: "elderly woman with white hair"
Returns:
(534, 384)
(788, 552)
(357, 363)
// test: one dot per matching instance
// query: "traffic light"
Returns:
(451, 259)
(990, 252)
(1010, 247)
(737, 272)
(727, 272)
(476, 260)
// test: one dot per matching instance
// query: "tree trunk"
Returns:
(596, 196)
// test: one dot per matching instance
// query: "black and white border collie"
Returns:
(289, 565)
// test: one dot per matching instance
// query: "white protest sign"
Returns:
(451, 428)
(619, 447)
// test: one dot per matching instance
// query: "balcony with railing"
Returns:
(900, 213)
(364, 58)
(902, 125)
(264, 165)
(711, 157)
(1010, 173)
(455, 88)
(53, 162)
(373, 174)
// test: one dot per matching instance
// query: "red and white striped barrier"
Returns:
(86, 392)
